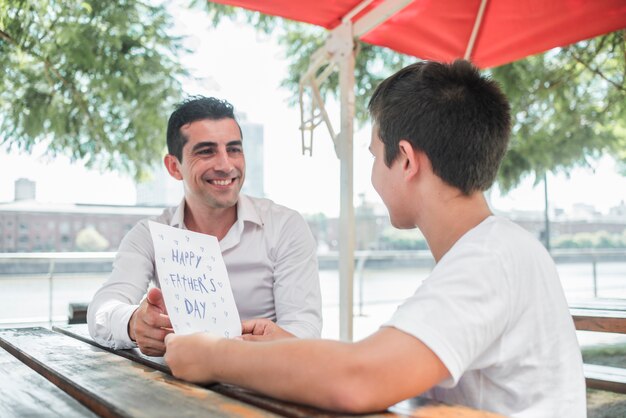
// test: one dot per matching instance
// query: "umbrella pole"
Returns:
(346, 213)
(338, 52)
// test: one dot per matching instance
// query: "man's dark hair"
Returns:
(458, 118)
(192, 109)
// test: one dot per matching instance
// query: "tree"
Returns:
(569, 104)
(94, 80)
(89, 239)
(569, 107)
(402, 239)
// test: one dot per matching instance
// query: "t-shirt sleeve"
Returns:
(460, 310)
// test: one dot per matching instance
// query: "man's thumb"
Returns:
(155, 297)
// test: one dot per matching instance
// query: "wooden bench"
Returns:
(602, 316)
(608, 378)
(599, 319)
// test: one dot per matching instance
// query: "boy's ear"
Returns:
(173, 166)
(409, 158)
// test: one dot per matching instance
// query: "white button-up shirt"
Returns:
(270, 255)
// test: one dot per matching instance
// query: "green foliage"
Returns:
(569, 108)
(569, 104)
(94, 80)
(607, 355)
(402, 239)
(585, 240)
(89, 239)
(373, 64)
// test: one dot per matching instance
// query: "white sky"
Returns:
(236, 63)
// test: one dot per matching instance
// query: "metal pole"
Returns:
(360, 267)
(346, 213)
(547, 217)
(50, 274)
(595, 277)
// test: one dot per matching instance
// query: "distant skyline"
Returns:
(237, 63)
(61, 182)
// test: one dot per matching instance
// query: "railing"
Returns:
(364, 260)
(53, 259)
(594, 256)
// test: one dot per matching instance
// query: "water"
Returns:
(26, 299)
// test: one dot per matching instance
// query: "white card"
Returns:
(194, 282)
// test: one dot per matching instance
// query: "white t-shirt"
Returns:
(494, 312)
(271, 259)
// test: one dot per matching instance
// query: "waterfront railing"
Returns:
(49, 266)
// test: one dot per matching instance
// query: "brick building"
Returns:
(28, 226)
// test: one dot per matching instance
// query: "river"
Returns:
(25, 300)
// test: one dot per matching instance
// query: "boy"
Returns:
(489, 328)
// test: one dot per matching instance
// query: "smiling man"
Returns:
(269, 251)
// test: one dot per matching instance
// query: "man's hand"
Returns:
(190, 358)
(262, 330)
(149, 324)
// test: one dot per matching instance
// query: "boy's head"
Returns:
(457, 117)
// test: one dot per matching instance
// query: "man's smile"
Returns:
(222, 182)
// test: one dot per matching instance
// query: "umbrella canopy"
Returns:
(489, 33)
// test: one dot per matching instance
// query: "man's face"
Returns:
(387, 181)
(213, 167)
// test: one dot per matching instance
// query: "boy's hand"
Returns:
(262, 330)
(190, 356)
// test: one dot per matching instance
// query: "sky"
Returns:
(236, 63)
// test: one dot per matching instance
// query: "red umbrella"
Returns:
(493, 32)
(489, 33)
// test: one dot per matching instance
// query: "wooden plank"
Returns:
(605, 377)
(599, 320)
(113, 386)
(286, 409)
(415, 407)
(25, 393)
(81, 333)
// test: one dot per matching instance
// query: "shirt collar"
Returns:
(178, 217)
(246, 212)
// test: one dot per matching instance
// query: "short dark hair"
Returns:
(192, 109)
(458, 118)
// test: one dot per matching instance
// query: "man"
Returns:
(489, 328)
(269, 251)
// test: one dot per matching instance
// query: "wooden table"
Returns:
(62, 372)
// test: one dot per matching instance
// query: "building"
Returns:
(30, 226)
(161, 190)
(25, 189)
(253, 150)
